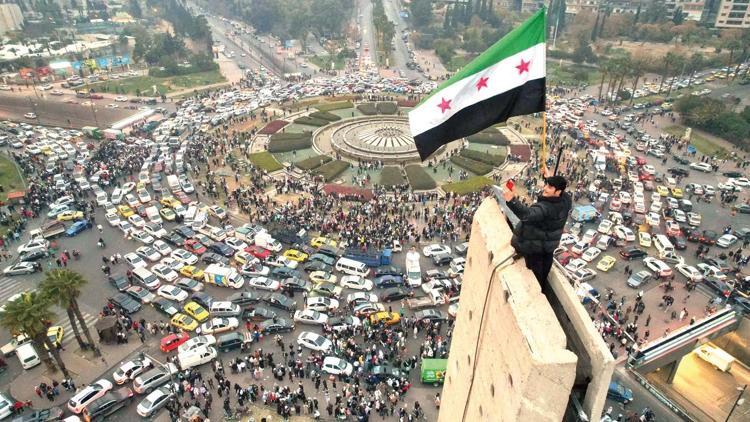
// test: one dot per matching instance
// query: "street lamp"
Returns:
(93, 110)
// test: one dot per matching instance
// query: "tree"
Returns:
(63, 287)
(669, 61)
(693, 65)
(421, 12)
(135, 9)
(556, 15)
(31, 315)
(679, 16)
(637, 69)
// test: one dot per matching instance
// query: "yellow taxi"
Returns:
(243, 257)
(170, 201)
(605, 264)
(387, 318)
(196, 311)
(677, 193)
(55, 335)
(125, 210)
(295, 255)
(663, 191)
(192, 272)
(184, 322)
(322, 276)
(322, 241)
(167, 214)
(69, 215)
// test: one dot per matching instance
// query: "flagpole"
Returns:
(543, 154)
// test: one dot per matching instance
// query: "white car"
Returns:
(134, 260)
(19, 268)
(131, 369)
(435, 249)
(655, 206)
(356, 282)
(740, 181)
(321, 303)
(314, 341)
(710, 270)
(709, 190)
(648, 168)
(196, 342)
(658, 267)
(605, 227)
(625, 197)
(165, 273)
(127, 187)
(624, 233)
(337, 366)
(575, 265)
(137, 221)
(189, 284)
(170, 292)
(131, 200)
(184, 256)
(236, 244)
(689, 271)
(32, 245)
(218, 325)
(308, 316)
(154, 401)
(579, 247)
(162, 247)
(568, 239)
(116, 196)
(653, 219)
(144, 196)
(186, 186)
(282, 261)
(121, 99)
(125, 227)
(264, 283)
(591, 254)
(87, 395)
(172, 263)
(694, 219)
(679, 216)
(644, 239)
(149, 253)
(360, 297)
(156, 230)
(704, 167)
(112, 219)
(142, 237)
(639, 207)
(726, 240)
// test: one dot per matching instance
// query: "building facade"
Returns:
(11, 18)
(733, 14)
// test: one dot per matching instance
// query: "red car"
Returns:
(182, 197)
(258, 252)
(640, 160)
(194, 246)
(173, 341)
(643, 176)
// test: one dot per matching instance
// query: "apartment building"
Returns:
(733, 14)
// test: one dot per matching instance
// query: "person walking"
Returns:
(541, 225)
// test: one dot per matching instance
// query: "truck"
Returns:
(92, 132)
(265, 240)
(371, 258)
(433, 298)
(50, 229)
(173, 182)
(584, 213)
(413, 271)
(247, 232)
(432, 371)
(113, 134)
(223, 276)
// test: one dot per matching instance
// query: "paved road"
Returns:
(400, 54)
(368, 45)
(52, 111)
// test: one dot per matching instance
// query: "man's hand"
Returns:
(508, 194)
(546, 172)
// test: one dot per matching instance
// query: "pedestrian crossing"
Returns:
(10, 286)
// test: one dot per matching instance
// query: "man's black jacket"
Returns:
(541, 224)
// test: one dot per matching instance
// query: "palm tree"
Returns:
(637, 69)
(669, 60)
(31, 315)
(63, 287)
(604, 68)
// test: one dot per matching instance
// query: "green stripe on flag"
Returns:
(529, 34)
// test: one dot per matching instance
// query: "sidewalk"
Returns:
(83, 368)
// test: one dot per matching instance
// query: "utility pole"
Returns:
(737, 402)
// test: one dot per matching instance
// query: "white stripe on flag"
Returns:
(503, 76)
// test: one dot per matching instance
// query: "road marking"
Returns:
(68, 335)
(10, 286)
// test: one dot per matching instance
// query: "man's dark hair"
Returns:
(557, 182)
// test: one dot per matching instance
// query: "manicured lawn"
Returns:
(566, 73)
(418, 177)
(10, 180)
(703, 145)
(324, 62)
(472, 184)
(265, 161)
(144, 84)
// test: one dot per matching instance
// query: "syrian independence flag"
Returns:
(506, 80)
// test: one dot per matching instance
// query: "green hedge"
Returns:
(312, 162)
(286, 145)
(310, 121)
(387, 108)
(492, 137)
(265, 161)
(487, 158)
(339, 105)
(472, 184)
(330, 170)
(324, 115)
(418, 178)
(369, 109)
(476, 167)
(391, 176)
(290, 135)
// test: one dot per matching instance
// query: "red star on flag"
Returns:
(482, 83)
(445, 105)
(523, 67)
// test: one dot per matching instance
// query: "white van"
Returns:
(662, 244)
(224, 309)
(352, 267)
(190, 214)
(28, 356)
(196, 357)
(146, 278)
(117, 196)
